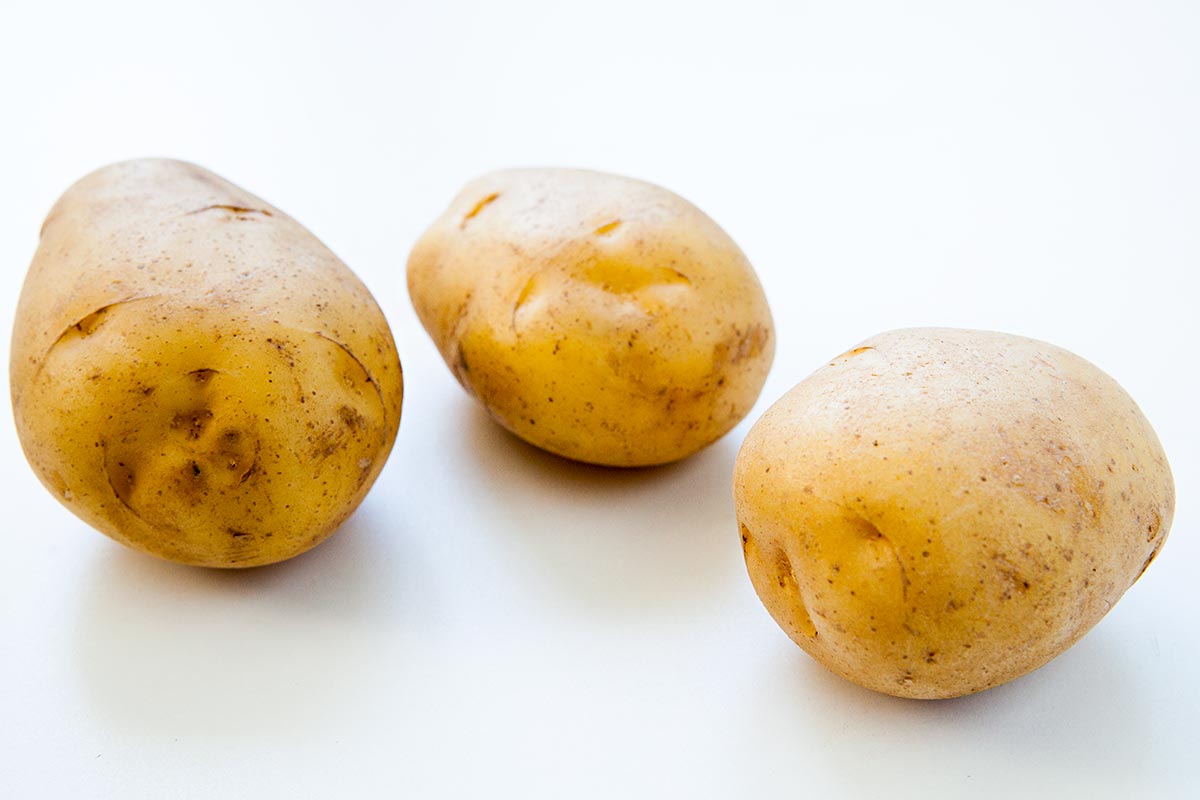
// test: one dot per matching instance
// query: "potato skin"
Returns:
(598, 317)
(938, 511)
(194, 374)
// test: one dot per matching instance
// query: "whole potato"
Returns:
(598, 317)
(194, 374)
(938, 511)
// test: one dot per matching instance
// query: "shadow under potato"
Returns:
(1067, 723)
(164, 648)
(610, 541)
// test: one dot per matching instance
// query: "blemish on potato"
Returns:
(366, 374)
(480, 206)
(1153, 526)
(237, 212)
(350, 417)
(83, 327)
(622, 277)
(92, 321)
(202, 376)
(849, 354)
(789, 594)
(193, 423)
(743, 345)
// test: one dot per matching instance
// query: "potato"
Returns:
(598, 317)
(937, 511)
(194, 374)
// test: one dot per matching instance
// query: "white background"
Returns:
(497, 622)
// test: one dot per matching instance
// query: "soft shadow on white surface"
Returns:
(163, 648)
(610, 542)
(1068, 724)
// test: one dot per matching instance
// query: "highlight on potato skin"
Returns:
(598, 317)
(937, 511)
(194, 374)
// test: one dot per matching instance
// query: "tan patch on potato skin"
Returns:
(598, 317)
(180, 350)
(1020, 490)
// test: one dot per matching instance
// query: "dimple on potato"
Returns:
(595, 316)
(194, 374)
(938, 511)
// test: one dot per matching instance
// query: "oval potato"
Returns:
(598, 317)
(939, 511)
(194, 374)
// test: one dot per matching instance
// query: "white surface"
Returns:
(496, 622)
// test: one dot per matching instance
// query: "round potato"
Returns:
(194, 374)
(598, 317)
(938, 511)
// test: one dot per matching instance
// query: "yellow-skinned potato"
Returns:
(598, 317)
(194, 374)
(938, 511)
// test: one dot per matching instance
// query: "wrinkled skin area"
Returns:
(598, 317)
(938, 511)
(196, 375)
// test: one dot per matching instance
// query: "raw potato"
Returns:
(598, 317)
(939, 511)
(194, 374)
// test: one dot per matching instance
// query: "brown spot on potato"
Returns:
(749, 344)
(351, 418)
(192, 423)
(1153, 527)
(285, 349)
(1011, 579)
